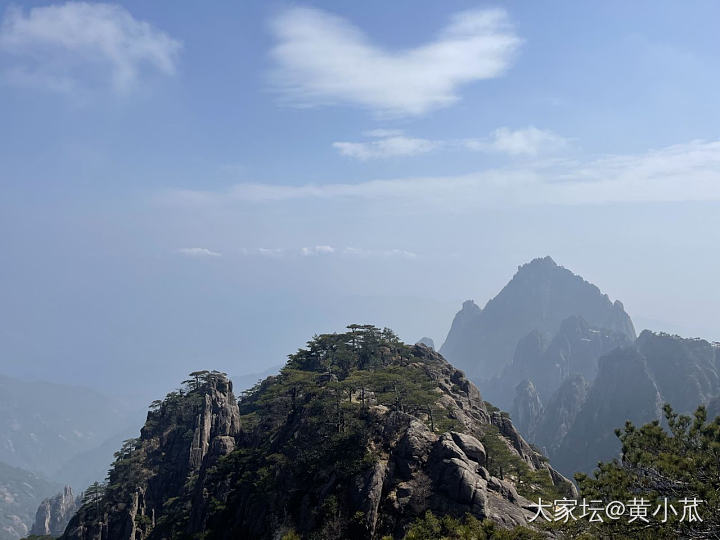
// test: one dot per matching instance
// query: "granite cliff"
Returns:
(54, 513)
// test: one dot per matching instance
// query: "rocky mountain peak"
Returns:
(537, 265)
(539, 297)
(357, 436)
(54, 513)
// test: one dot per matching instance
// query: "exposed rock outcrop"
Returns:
(182, 437)
(527, 409)
(560, 413)
(54, 513)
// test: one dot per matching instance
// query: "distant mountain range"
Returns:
(537, 299)
(360, 434)
(556, 352)
(52, 435)
(20, 494)
(43, 425)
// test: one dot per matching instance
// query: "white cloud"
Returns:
(529, 141)
(387, 147)
(683, 172)
(323, 59)
(65, 46)
(366, 253)
(317, 250)
(198, 252)
(327, 250)
(271, 252)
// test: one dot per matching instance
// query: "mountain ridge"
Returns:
(357, 436)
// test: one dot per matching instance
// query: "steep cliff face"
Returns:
(538, 298)
(54, 513)
(183, 436)
(355, 438)
(633, 383)
(623, 390)
(527, 409)
(686, 371)
(574, 350)
(559, 414)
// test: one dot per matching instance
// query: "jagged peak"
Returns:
(540, 262)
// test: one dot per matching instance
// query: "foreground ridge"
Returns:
(358, 436)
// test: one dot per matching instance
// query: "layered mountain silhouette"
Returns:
(357, 437)
(633, 383)
(44, 425)
(556, 352)
(539, 297)
(20, 494)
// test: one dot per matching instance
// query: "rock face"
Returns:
(54, 513)
(632, 384)
(183, 436)
(357, 436)
(623, 390)
(527, 409)
(574, 350)
(560, 414)
(538, 298)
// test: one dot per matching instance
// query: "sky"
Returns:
(186, 185)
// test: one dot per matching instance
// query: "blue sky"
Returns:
(186, 186)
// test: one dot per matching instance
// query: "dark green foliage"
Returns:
(308, 445)
(132, 467)
(309, 431)
(682, 461)
(431, 527)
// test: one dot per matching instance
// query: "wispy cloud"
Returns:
(323, 59)
(386, 147)
(683, 172)
(385, 253)
(198, 252)
(529, 141)
(317, 250)
(66, 46)
(326, 250)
